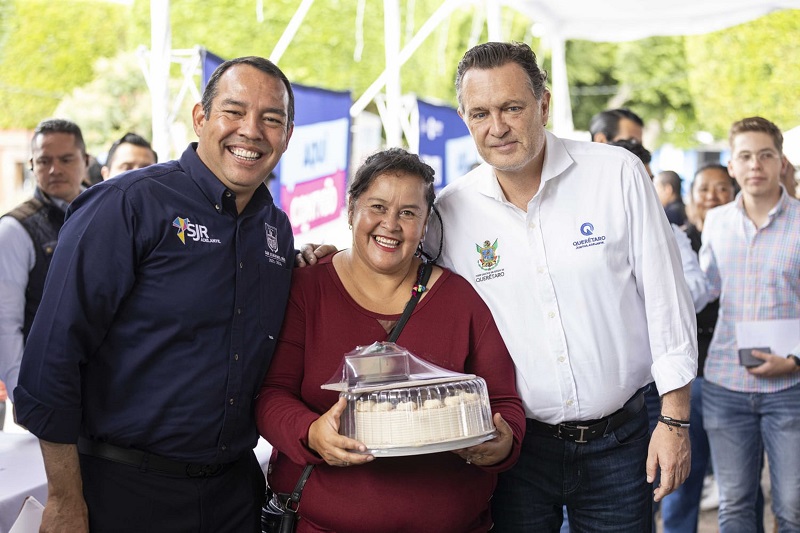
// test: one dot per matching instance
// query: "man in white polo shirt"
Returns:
(567, 243)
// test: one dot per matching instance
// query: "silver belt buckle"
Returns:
(581, 440)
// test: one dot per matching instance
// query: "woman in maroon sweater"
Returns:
(354, 298)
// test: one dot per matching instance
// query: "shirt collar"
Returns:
(776, 209)
(213, 189)
(52, 200)
(556, 161)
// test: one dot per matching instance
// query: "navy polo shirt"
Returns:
(160, 315)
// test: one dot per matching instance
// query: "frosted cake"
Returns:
(397, 400)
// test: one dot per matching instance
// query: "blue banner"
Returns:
(445, 142)
(210, 63)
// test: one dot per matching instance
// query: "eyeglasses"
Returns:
(764, 156)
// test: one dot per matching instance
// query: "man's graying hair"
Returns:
(264, 65)
(496, 54)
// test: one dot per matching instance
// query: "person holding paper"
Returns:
(751, 257)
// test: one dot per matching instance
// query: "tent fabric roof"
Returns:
(628, 20)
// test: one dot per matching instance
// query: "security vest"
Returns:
(42, 219)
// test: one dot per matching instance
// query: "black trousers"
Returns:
(121, 498)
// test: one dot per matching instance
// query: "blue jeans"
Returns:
(740, 427)
(601, 482)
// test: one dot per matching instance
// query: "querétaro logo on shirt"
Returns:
(489, 257)
(195, 232)
(488, 261)
(587, 230)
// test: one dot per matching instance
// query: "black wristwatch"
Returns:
(795, 359)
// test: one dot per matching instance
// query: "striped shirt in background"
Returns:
(756, 273)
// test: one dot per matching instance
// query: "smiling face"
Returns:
(59, 165)
(247, 130)
(711, 188)
(756, 164)
(505, 119)
(388, 221)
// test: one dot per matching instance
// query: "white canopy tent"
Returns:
(556, 22)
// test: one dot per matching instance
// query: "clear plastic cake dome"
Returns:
(399, 404)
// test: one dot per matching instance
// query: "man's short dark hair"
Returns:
(129, 138)
(671, 178)
(714, 166)
(607, 122)
(59, 125)
(264, 65)
(635, 148)
(496, 54)
(391, 161)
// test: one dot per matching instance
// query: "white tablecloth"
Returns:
(21, 475)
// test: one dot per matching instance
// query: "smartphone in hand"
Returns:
(747, 359)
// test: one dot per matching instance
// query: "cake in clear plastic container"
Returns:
(399, 404)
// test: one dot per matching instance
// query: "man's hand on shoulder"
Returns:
(309, 253)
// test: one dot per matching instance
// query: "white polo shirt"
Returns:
(586, 286)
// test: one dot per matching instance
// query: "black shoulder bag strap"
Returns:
(293, 503)
(416, 293)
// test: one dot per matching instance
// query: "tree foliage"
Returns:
(49, 49)
(49, 52)
(751, 69)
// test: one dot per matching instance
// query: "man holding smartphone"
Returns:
(751, 257)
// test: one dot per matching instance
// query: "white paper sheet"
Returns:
(30, 517)
(780, 335)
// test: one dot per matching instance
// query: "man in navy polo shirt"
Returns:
(159, 317)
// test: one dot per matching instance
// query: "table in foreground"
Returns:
(21, 475)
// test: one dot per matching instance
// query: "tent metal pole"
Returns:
(495, 31)
(444, 11)
(561, 104)
(160, 54)
(290, 31)
(391, 36)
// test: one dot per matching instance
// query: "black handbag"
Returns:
(279, 512)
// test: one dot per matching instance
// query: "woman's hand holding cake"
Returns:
(492, 451)
(325, 440)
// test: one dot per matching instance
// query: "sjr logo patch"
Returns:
(196, 232)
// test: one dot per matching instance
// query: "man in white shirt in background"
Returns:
(568, 244)
(29, 232)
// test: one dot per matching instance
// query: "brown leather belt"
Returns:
(583, 432)
(145, 461)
